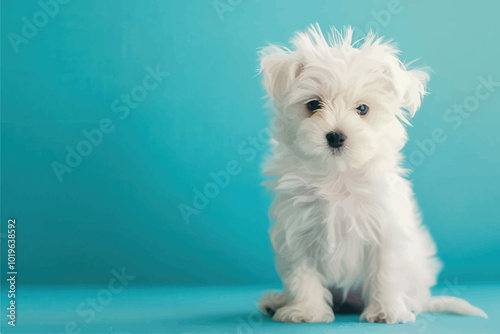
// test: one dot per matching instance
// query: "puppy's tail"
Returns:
(447, 304)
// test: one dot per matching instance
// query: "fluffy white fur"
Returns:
(346, 219)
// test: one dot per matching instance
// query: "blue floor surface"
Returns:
(212, 310)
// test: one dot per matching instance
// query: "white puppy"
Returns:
(345, 216)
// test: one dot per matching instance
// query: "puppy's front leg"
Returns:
(308, 300)
(382, 289)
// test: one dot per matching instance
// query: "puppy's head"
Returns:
(338, 104)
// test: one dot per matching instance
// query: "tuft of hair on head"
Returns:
(281, 66)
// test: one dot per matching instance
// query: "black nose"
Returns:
(335, 139)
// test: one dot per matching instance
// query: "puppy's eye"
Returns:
(313, 105)
(362, 109)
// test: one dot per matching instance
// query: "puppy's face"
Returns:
(340, 106)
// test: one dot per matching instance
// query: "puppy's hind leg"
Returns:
(306, 299)
(271, 301)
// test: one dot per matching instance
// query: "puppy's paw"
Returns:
(271, 301)
(388, 314)
(303, 313)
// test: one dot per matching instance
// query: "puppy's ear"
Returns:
(410, 86)
(280, 67)
(415, 90)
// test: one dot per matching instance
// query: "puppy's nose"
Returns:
(335, 139)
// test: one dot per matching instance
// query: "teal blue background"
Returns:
(119, 207)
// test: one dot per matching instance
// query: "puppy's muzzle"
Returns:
(335, 139)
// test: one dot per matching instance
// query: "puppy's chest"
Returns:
(346, 237)
(353, 204)
(347, 231)
(353, 218)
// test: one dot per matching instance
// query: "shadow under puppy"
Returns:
(345, 215)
